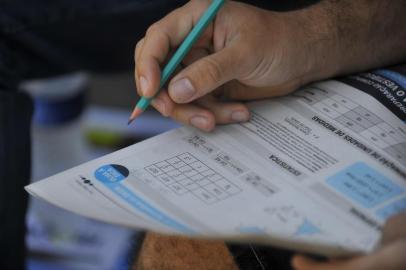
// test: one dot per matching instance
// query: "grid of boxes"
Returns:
(358, 119)
(184, 173)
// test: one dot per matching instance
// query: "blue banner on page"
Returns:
(364, 185)
(111, 176)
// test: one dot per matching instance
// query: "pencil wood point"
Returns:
(137, 111)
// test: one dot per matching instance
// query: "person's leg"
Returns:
(181, 253)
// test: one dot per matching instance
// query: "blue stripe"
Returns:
(394, 76)
(144, 207)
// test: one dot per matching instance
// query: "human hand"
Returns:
(247, 53)
(391, 255)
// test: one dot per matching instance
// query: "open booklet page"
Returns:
(318, 171)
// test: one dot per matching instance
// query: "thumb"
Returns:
(204, 75)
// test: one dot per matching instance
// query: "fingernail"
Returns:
(159, 105)
(239, 116)
(199, 122)
(182, 90)
(143, 85)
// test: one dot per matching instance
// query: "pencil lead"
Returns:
(137, 111)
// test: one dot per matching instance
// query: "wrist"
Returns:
(348, 36)
(315, 36)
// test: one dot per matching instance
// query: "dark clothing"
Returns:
(15, 118)
(41, 38)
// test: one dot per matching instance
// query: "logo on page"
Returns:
(112, 173)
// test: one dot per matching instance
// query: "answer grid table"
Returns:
(185, 173)
(358, 119)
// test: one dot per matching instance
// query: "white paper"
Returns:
(315, 172)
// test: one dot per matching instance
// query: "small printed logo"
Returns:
(112, 173)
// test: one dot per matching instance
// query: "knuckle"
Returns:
(153, 28)
(214, 70)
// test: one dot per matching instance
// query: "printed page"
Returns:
(311, 172)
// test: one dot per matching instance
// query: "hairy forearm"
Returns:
(371, 33)
(348, 36)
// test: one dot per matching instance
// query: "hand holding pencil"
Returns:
(245, 53)
(180, 53)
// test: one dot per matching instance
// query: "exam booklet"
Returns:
(317, 171)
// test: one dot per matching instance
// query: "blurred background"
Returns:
(78, 117)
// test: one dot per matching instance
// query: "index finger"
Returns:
(161, 37)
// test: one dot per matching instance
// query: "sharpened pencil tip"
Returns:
(137, 111)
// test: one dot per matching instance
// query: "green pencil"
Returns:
(181, 52)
